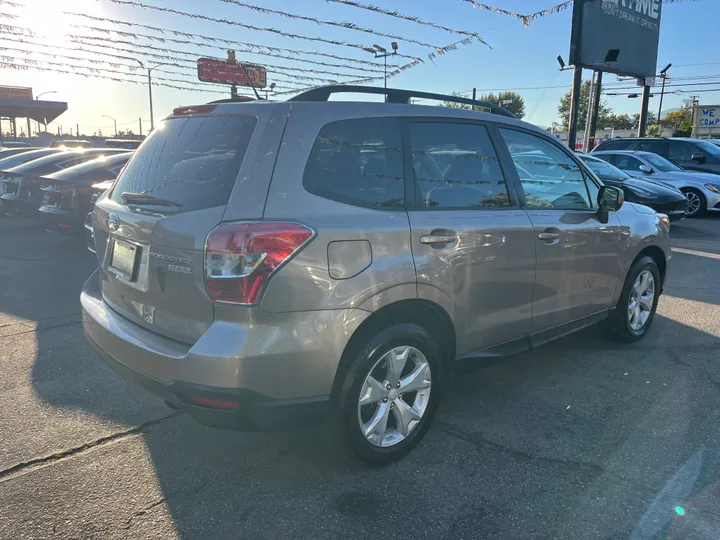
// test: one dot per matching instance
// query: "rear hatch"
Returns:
(150, 228)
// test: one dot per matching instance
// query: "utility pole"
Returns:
(77, 130)
(140, 120)
(595, 111)
(474, 93)
(642, 127)
(586, 138)
(574, 107)
(149, 71)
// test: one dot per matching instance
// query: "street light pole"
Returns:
(114, 121)
(382, 52)
(663, 74)
(149, 71)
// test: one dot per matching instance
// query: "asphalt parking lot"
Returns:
(584, 438)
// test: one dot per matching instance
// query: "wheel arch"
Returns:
(431, 316)
(658, 255)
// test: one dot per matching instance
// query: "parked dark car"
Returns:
(15, 144)
(8, 152)
(22, 193)
(691, 154)
(128, 144)
(70, 144)
(658, 196)
(24, 156)
(67, 194)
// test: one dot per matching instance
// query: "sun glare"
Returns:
(49, 19)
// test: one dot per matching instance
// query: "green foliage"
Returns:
(620, 121)
(654, 131)
(603, 115)
(512, 101)
(676, 118)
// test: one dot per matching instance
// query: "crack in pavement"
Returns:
(582, 466)
(37, 463)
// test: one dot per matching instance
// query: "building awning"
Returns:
(40, 111)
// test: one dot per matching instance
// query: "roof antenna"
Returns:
(231, 60)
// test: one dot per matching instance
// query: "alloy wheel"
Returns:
(394, 396)
(693, 203)
(642, 300)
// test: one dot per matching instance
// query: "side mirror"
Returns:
(699, 158)
(610, 199)
(647, 169)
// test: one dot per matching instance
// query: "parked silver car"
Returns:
(271, 264)
(701, 189)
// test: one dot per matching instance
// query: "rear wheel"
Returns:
(696, 205)
(638, 301)
(388, 396)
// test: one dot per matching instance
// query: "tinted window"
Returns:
(660, 163)
(626, 163)
(549, 177)
(680, 151)
(614, 145)
(604, 170)
(456, 167)
(192, 161)
(656, 146)
(358, 162)
(708, 148)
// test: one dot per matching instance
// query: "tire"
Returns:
(624, 322)
(343, 426)
(693, 195)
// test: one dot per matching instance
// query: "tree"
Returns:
(676, 118)
(513, 101)
(654, 131)
(453, 104)
(651, 119)
(619, 121)
(603, 114)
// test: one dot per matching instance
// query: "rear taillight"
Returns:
(240, 258)
(194, 109)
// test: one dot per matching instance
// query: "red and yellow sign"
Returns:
(221, 71)
(15, 92)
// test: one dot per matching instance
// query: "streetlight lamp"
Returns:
(382, 52)
(149, 71)
(663, 74)
(114, 121)
(272, 89)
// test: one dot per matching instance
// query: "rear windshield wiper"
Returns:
(143, 198)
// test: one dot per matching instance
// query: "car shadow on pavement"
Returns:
(582, 438)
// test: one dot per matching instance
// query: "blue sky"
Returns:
(519, 58)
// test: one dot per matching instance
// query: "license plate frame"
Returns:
(123, 260)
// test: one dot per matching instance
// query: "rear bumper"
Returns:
(22, 206)
(61, 220)
(276, 370)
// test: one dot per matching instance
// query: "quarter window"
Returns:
(549, 177)
(455, 166)
(358, 162)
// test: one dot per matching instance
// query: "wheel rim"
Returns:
(642, 299)
(693, 203)
(394, 396)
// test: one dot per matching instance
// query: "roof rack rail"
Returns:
(393, 95)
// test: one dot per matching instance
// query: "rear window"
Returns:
(358, 162)
(614, 145)
(191, 161)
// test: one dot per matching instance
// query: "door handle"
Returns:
(548, 235)
(437, 239)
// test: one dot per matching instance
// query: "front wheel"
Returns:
(388, 396)
(696, 203)
(638, 301)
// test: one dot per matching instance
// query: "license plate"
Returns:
(123, 260)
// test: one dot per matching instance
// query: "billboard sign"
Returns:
(16, 92)
(616, 36)
(706, 121)
(214, 70)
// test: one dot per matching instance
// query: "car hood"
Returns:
(687, 176)
(656, 186)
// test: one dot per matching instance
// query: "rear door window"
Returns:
(656, 146)
(455, 166)
(192, 161)
(358, 162)
(626, 163)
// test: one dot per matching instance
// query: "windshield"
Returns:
(604, 170)
(660, 163)
(709, 148)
